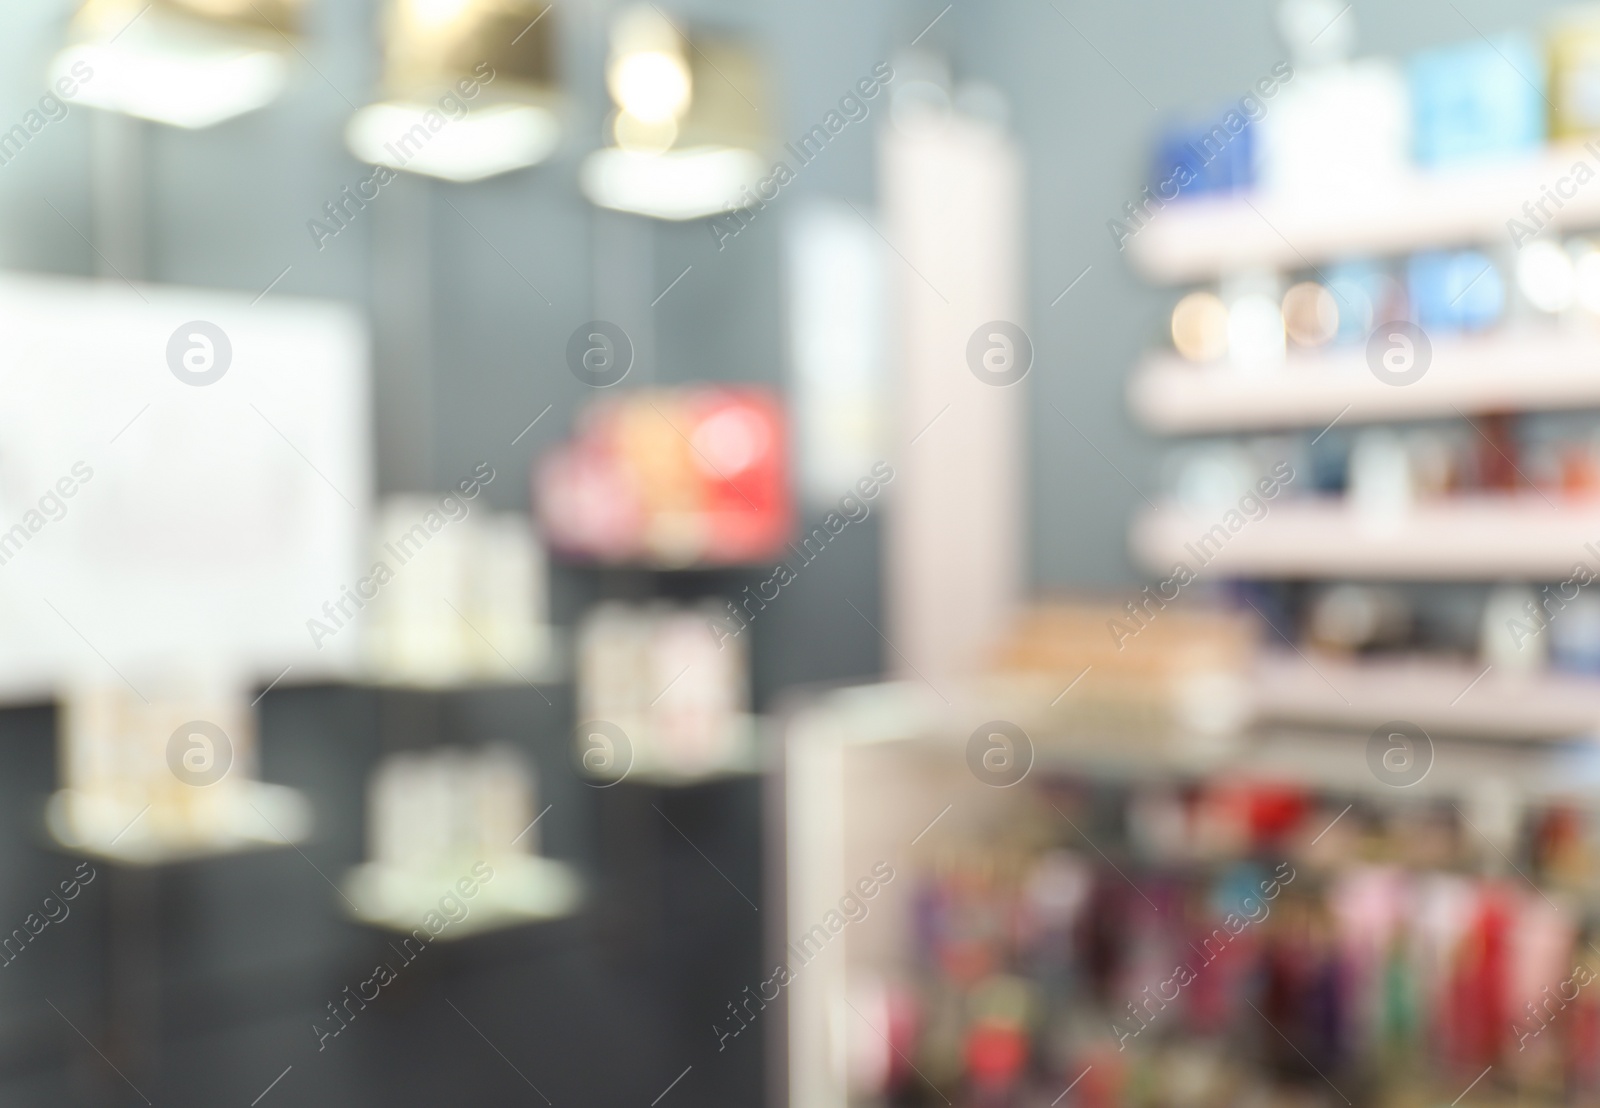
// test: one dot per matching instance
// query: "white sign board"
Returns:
(164, 517)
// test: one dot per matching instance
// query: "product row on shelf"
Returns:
(175, 778)
(1486, 497)
(1386, 470)
(1327, 123)
(1251, 323)
(1204, 943)
(1216, 662)
(1490, 141)
(662, 692)
(1323, 915)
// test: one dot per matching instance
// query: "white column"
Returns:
(952, 190)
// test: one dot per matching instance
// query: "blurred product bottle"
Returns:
(1200, 327)
(1256, 338)
(1366, 295)
(1381, 484)
(180, 761)
(1511, 637)
(678, 691)
(462, 596)
(1352, 618)
(436, 813)
(1546, 278)
(1310, 314)
(1497, 454)
(1574, 629)
(1338, 129)
(1455, 290)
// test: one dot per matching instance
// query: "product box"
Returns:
(1477, 100)
(1574, 53)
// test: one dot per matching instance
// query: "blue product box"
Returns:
(1455, 290)
(1477, 100)
(1219, 156)
(1360, 291)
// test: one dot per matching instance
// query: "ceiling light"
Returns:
(651, 85)
(480, 144)
(437, 13)
(687, 132)
(149, 61)
(677, 184)
(471, 90)
(633, 133)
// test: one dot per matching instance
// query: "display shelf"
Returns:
(1514, 370)
(662, 779)
(883, 772)
(1465, 538)
(743, 757)
(544, 678)
(1442, 696)
(549, 667)
(524, 889)
(1207, 236)
(256, 816)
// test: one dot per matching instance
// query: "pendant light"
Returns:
(470, 89)
(187, 63)
(685, 135)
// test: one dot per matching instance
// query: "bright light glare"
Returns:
(438, 13)
(680, 184)
(730, 442)
(480, 144)
(1544, 274)
(633, 133)
(1255, 332)
(650, 85)
(1588, 281)
(181, 84)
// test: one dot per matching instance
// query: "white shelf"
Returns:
(1476, 538)
(258, 817)
(524, 889)
(1208, 236)
(1528, 369)
(1442, 696)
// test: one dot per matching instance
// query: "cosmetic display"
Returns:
(166, 774)
(456, 593)
(663, 694)
(670, 478)
(1483, 142)
(455, 830)
(1275, 921)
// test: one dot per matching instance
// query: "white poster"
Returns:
(184, 482)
